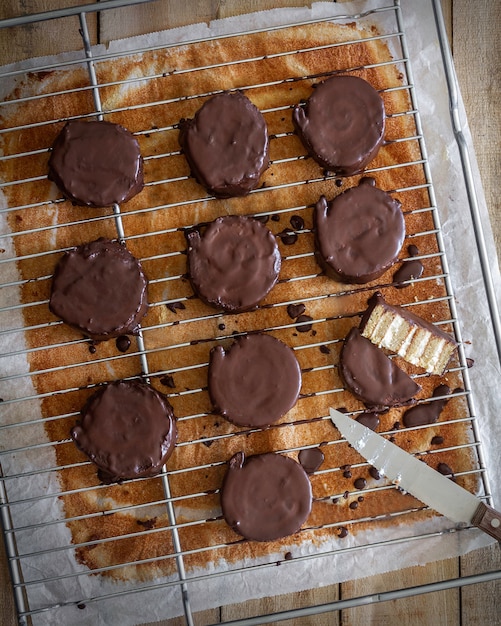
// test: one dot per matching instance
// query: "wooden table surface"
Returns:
(474, 30)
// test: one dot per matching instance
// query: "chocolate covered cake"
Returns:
(127, 429)
(359, 234)
(410, 336)
(371, 376)
(342, 124)
(255, 381)
(265, 497)
(226, 144)
(234, 263)
(100, 289)
(96, 164)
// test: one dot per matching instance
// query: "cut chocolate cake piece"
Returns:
(414, 339)
(371, 376)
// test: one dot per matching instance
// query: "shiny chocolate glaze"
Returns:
(429, 412)
(255, 381)
(342, 124)
(226, 144)
(377, 299)
(369, 419)
(311, 459)
(127, 429)
(100, 289)
(359, 233)
(266, 496)
(371, 376)
(96, 164)
(234, 263)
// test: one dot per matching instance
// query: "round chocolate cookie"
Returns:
(226, 145)
(359, 234)
(100, 289)
(266, 496)
(234, 263)
(96, 164)
(255, 381)
(371, 376)
(342, 124)
(127, 429)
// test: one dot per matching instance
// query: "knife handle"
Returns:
(489, 520)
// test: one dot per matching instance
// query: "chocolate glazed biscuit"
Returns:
(266, 496)
(234, 263)
(255, 381)
(96, 164)
(359, 234)
(100, 289)
(226, 145)
(342, 124)
(127, 429)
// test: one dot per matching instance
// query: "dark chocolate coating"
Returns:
(266, 496)
(359, 233)
(226, 145)
(96, 164)
(342, 124)
(311, 459)
(371, 376)
(100, 289)
(255, 381)
(234, 263)
(127, 429)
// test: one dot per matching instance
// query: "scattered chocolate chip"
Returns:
(275, 218)
(288, 556)
(324, 349)
(339, 182)
(288, 237)
(444, 469)
(208, 442)
(374, 473)
(297, 222)
(347, 473)
(412, 250)
(437, 440)
(221, 326)
(346, 495)
(304, 328)
(295, 310)
(168, 381)
(360, 498)
(360, 483)
(81, 606)
(122, 343)
(262, 218)
(353, 505)
(92, 348)
(470, 362)
(148, 524)
(173, 306)
(396, 425)
(342, 532)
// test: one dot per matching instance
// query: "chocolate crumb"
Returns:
(297, 222)
(470, 362)
(374, 473)
(304, 328)
(168, 381)
(437, 440)
(80, 605)
(288, 237)
(324, 349)
(173, 306)
(275, 218)
(295, 310)
(288, 556)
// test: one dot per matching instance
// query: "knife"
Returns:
(420, 480)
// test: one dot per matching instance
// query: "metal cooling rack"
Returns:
(12, 529)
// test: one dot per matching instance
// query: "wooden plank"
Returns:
(40, 39)
(477, 49)
(481, 604)
(411, 611)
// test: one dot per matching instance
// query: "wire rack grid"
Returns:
(175, 518)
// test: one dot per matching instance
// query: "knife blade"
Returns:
(420, 480)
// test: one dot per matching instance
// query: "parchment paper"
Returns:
(354, 559)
